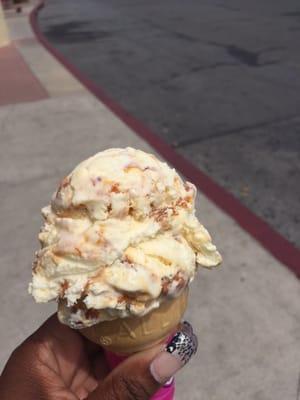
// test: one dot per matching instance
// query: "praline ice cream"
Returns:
(120, 237)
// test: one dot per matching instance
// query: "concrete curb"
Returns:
(4, 38)
(271, 240)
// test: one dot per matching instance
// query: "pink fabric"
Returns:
(165, 393)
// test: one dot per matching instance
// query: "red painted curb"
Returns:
(271, 240)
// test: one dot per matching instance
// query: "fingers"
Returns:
(99, 366)
(142, 374)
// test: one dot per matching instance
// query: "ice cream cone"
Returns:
(130, 335)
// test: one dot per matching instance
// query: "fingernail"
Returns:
(178, 352)
(187, 327)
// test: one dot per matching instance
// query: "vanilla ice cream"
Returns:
(119, 238)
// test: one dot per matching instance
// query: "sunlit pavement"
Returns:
(246, 313)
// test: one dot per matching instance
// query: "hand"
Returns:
(57, 363)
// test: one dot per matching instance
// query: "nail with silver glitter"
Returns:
(182, 346)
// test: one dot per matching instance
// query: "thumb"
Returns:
(141, 375)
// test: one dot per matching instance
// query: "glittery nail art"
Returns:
(183, 346)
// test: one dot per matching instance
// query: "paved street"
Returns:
(246, 313)
(218, 80)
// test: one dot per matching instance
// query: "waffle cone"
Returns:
(130, 335)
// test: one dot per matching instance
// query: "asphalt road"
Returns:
(220, 81)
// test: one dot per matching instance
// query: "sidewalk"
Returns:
(246, 314)
(4, 40)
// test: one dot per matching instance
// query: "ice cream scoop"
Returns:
(120, 238)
